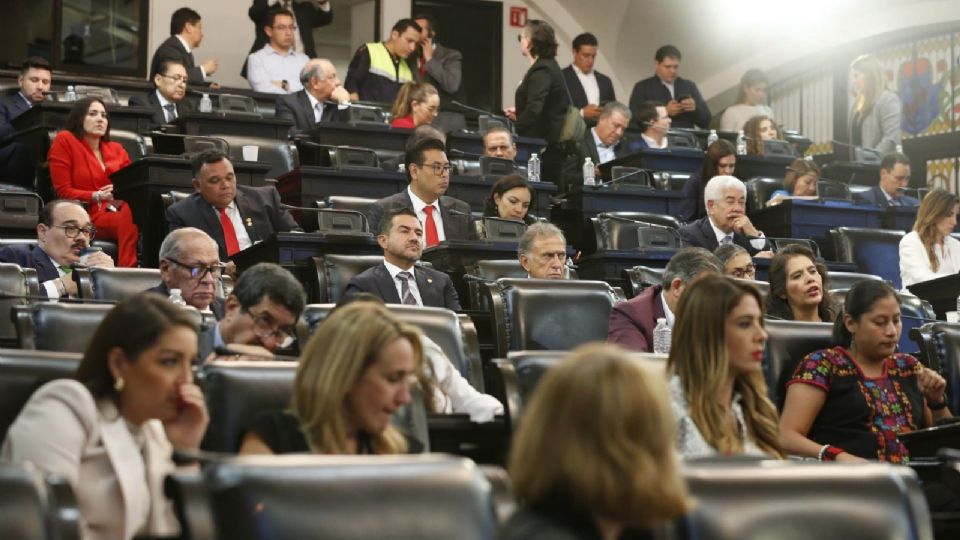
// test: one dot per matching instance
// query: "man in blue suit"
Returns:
(894, 177)
(684, 103)
(34, 82)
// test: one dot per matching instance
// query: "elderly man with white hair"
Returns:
(726, 221)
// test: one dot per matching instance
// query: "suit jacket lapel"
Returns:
(710, 239)
(427, 289)
(127, 461)
(247, 216)
(45, 268)
(308, 109)
(385, 285)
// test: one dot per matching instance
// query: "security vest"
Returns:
(381, 63)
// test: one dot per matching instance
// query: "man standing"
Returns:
(275, 69)
(167, 100)
(589, 89)
(653, 119)
(307, 15)
(189, 261)
(894, 177)
(726, 220)
(436, 64)
(379, 69)
(542, 251)
(186, 34)
(684, 103)
(429, 173)
(319, 101)
(34, 82)
(235, 216)
(399, 280)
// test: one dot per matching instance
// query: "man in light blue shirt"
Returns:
(275, 68)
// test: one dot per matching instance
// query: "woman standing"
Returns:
(928, 251)
(875, 116)
(751, 101)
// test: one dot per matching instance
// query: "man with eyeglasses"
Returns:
(168, 100)
(307, 15)
(259, 315)
(190, 261)
(275, 69)
(322, 99)
(443, 218)
(64, 231)
(543, 251)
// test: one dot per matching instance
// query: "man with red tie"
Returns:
(235, 216)
(443, 218)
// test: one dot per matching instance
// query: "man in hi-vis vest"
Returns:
(378, 70)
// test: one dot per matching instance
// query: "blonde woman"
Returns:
(928, 251)
(875, 116)
(354, 373)
(417, 103)
(719, 396)
(593, 456)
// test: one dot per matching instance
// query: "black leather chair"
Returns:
(338, 497)
(346, 202)
(331, 274)
(543, 314)
(115, 284)
(14, 282)
(236, 391)
(874, 251)
(787, 343)
(845, 280)
(35, 506)
(22, 372)
(280, 155)
(635, 230)
(780, 243)
(132, 142)
(939, 346)
(642, 277)
(494, 269)
(19, 213)
(805, 501)
(759, 190)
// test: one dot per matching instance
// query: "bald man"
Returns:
(322, 99)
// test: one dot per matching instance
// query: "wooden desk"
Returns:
(197, 123)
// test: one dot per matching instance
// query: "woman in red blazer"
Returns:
(82, 158)
(417, 103)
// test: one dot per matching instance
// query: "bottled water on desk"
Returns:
(205, 104)
(661, 337)
(741, 144)
(589, 173)
(176, 298)
(70, 94)
(712, 138)
(533, 168)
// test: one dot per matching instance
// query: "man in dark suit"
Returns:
(632, 322)
(186, 34)
(601, 143)
(319, 101)
(190, 261)
(654, 122)
(429, 173)
(307, 15)
(399, 280)
(168, 100)
(63, 232)
(542, 251)
(684, 103)
(589, 89)
(438, 65)
(894, 177)
(34, 82)
(235, 216)
(726, 220)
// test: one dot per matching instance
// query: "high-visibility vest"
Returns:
(381, 63)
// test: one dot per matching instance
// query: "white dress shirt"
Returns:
(604, 152)
(589, 83)
(669, 86)
(667, 314)
(317, 107)
(393, 270)
(654, 144)
(915, 265)
(758, 243)
(243, 239)
(419, 205)
(297, 38)
(452, 393)
(268, 65)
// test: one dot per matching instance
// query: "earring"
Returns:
(118, 384)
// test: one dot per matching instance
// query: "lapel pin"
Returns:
(429, 280)
(249, 222)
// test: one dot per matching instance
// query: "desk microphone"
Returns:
(309, 209)
(460, 153)
(621, 178)
(483, 112)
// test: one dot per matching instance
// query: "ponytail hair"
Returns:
(410, 92)
(860, 300)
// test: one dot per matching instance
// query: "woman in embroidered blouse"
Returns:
(82, 158)
(798, 286)
(719, 395)
(416, 103)
(111, 429)
(850, 402)
(928, 251)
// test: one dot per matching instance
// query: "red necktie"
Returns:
(433, 238)
(423, 67)
(229, 233)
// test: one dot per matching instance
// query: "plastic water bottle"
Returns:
(712, 138)
(176, 298)
(589, 173)
(533, 168)
(661, 337)
(958, 306)
(899, 148)
(206, 106)
(741, 144)
(71, 94)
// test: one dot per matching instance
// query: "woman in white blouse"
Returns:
(929, 252)
(719, 395)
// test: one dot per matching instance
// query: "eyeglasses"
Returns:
(200, 271)
(177, 79)
(748, 271)
(71, 231)
(438, 167)
(264, 328)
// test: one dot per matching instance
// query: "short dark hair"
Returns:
(431, 23)
(646, 114)
(181, 17)
(585, 38)
(543, 41)
(208, 156)
(891, 159)
(386, 222)
(274, 13)
(402, 25)
(422, 133)
(74, 122)
(34, 62)
(166, 63)
(667, 51)
(777, 303)
(273, 282)
(501, 186)
(416, 153)
(46, 213)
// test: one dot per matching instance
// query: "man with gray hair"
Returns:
(632, 322)
(543, 251)
(190, 261)
(323, 98)
(602, 143)
(726, 220)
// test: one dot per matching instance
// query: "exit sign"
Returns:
(518, 16)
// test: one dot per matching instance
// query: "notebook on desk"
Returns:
(925, 443)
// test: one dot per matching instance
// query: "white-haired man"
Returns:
(726, 220)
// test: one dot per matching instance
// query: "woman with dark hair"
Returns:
(758, 129)
(800, 181)
(751, 99)
(82, 158)
(928, 251)
(851, 402)
(721, 160)
(798, 286)
(417, 103)
(110, 431)
(510, 198)
(875, 116)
